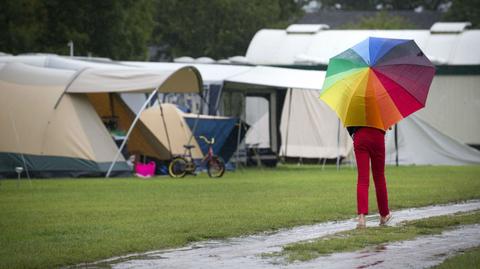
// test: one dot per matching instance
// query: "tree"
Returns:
(217, 28)
(465, 10)
(348, 4)
(107, 28)
(383, 4)
(22, 23)
(411, 4)
(122, 29)
(382, 20)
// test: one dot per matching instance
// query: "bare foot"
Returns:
(384, 220)
(361, 222)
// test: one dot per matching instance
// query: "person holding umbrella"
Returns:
(372, 86)
(369, 146)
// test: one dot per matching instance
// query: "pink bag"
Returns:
(145, 170)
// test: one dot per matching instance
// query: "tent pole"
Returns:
(396, 144)
(74, 77)
(238, 142)
(130, 131)
(166, 130)
(219, 99)
(203, 101)
(288, 120)
(194, 129)
(323, 164)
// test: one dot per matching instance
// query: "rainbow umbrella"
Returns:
(377, 82)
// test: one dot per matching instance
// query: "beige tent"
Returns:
(310, 129)
(166, 122)
(51, 120)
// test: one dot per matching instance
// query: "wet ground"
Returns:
(246, 252)
(422, 252)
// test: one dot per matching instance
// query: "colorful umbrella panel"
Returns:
(378, 82)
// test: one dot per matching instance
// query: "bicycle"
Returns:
(182, 165)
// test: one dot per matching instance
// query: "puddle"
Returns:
(423, 252)
(246, 252)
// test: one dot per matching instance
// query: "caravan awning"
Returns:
(93, 77)
(280, 77)
(180, 80)
(250, 75)
(211, 73)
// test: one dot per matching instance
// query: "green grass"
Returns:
(360, 238)
(468, 259)
(59, 222)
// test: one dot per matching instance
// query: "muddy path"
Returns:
(245, 252)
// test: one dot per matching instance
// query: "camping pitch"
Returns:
(51, 120)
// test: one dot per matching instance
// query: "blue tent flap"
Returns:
(222, 129)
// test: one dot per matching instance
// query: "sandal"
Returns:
(385, 220)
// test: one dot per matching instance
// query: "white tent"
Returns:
(421, 144)
(453, 105)
(310, 129)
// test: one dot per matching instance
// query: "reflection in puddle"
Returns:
(107, 264)
(422, 252)
(246, 252)
(369, 265)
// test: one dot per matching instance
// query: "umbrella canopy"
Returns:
(377, 82)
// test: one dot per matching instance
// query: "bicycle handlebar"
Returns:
(210, 142)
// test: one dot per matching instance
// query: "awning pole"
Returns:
(130, 131)
(202, 100)
(166, 129)
(288, 120)
(219, 99)
(237, 159)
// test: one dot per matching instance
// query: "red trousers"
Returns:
(369, 146)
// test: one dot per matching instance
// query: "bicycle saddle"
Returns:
(188, 146)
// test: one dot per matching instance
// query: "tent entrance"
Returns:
(118, 119)
(234, 103)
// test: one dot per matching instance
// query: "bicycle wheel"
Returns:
(177, 167)
(215, 167)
